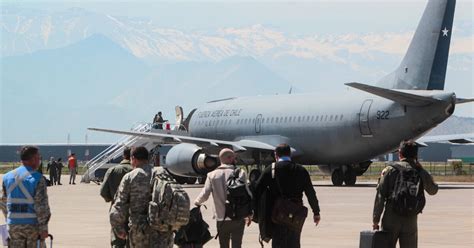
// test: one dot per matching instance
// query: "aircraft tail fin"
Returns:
(424, 64)
(404, 98)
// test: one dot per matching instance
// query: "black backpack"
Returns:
(238, 202)
(195, 233)
(408, 198)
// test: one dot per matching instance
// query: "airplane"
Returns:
(339, 133)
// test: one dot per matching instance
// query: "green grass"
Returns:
(440, 171)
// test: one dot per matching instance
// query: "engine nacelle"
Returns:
(189, 160)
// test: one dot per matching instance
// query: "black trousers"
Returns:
(231, 229)
(283, 237)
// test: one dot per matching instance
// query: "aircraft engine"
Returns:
(189, 160)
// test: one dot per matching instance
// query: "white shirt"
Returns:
(216, 184)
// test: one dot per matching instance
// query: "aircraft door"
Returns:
(364, 118)
(258, 124)
(179, 117)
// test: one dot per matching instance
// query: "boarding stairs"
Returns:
(114, 151)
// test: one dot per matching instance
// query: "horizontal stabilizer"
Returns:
(394, 95)
(463, 100)
(463, 138)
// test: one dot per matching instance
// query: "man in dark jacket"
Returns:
(402, 228)
(112, 179)
(294, 179)
(53, 171)
(60, 166)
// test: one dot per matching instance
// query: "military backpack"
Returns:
(407, 198)
(168, 209)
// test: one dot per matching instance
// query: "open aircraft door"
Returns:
(258, 123)
(179, 117)
(364, 118)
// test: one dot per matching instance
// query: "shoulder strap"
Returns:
(276, 179)
(273, 170)
(396, 166)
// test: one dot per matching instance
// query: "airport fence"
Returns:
(435, 168)
(6, 167)
(449, 169)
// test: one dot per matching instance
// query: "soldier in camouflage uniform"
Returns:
(109, 187)
(131, 202)
(26, 200)
(402, 228)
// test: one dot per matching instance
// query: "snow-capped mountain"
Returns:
(99, 69)
(26, 31)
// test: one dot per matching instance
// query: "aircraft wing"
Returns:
(465, 138)
(241, 145)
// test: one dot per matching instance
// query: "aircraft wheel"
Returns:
(201, 180)
(337, 177)
(254, 175)
(350, 177)
(191, 180)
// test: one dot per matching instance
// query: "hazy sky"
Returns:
(295, 19)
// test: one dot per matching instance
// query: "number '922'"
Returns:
(383, 115)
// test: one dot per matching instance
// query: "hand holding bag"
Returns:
(287, 212)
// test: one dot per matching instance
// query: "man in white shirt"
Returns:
(216, 184)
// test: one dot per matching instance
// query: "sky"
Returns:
(295, 19)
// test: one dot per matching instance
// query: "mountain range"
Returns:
(68, 70)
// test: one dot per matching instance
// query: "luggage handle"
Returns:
(50, 243)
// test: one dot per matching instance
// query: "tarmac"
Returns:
(80, 216)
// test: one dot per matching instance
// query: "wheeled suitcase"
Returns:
(374, 239)
(50, 241)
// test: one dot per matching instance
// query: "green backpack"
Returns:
(168, 209)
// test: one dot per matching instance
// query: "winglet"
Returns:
(394, 95)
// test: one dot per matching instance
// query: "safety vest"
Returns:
(20, 185)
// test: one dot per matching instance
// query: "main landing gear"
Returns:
(345, 174)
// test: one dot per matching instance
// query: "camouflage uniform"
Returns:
(109, 187)
(161, 239)
(403, 228)
(27, 235)
(131, 202)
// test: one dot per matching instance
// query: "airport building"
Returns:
(84, 152)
